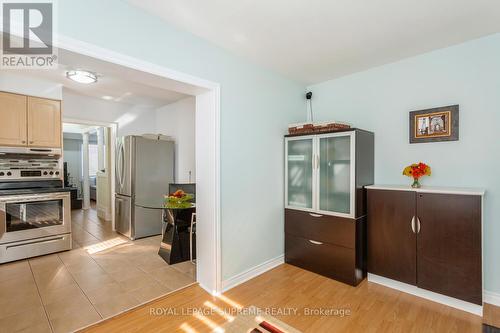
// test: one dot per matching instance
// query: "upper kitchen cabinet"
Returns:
(13, 120)
(44, 122)
(27, 121)
(325, 173)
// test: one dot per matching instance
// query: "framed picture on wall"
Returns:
(433, 125)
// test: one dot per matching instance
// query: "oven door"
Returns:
(32, 216)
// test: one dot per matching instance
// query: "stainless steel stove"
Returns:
(35, 215)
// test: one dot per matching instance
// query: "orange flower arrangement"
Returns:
(178, 200)
(417, 170)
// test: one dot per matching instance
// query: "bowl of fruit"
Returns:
(179, 200)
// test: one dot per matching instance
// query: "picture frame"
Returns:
(435, 125)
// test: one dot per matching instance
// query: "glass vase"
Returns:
(416, 183)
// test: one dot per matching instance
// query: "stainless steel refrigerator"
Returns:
(144, 169)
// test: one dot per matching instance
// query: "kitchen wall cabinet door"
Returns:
(44, 122)
(392, 243)
(449, 245)
(13, 129)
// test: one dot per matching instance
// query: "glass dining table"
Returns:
(176, 245)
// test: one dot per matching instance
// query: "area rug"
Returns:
(254, 320)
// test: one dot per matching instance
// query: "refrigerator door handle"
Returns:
(121, 165)
(118, 153)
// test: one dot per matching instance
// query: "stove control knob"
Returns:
(45, 173)
(57, 173)
(51, 173)
(2, 174)
(9, 173)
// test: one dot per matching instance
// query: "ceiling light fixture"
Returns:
(107, 98)
(82, 76)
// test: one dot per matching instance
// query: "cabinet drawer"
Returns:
(328, 229)
(332, 261)
(34, 247)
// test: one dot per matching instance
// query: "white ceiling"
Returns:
(316, 40)
(121, 84)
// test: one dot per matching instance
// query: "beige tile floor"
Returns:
(102, 276)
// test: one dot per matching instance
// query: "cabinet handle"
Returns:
(23, 141)
(418, 225)
(315, 242)
(315, 215)
(32, 141)
(413, 224)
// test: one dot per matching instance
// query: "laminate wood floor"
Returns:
(366, 308)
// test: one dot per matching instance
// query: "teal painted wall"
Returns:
(256, 106)
(379, 100)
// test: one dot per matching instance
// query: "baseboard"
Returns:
(491, 298)
(435, 297)
(251, 273)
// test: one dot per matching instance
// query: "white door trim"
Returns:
(210, 275)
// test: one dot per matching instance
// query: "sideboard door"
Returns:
(449, 245)
(392, 244)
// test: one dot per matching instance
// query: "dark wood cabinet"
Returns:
(428, 239)
(324, 228)
(328, 245)
(392, 245)
(329, 260)
(449, 245)
(325, 200)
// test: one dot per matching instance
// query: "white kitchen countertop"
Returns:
(430, 189)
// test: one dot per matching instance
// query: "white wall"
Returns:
(256, 106)
(178, 121)
(25, 85)
(381, 98)
(132, 120)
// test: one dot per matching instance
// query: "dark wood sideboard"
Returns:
(430, 238)
(325, 202)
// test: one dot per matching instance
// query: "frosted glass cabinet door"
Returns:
(335, 174)
(300, 173)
